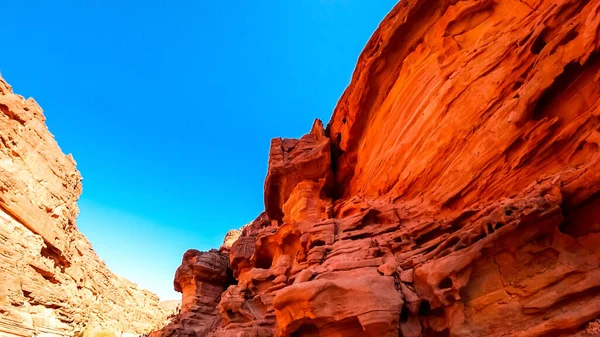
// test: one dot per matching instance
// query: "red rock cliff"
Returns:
(51, 281)
(455, 192)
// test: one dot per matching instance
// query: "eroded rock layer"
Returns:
(455, 192)
(51, 281)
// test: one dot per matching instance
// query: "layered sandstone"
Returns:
(455, 192)
(51, 280)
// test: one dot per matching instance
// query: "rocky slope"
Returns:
(51, 281)
(455, 191)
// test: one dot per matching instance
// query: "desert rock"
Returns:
(455, 191)
(51, 280)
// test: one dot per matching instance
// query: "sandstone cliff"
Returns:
(455, 191)
(51, 281)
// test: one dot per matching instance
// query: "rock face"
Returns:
(455, 192)
(51, 281)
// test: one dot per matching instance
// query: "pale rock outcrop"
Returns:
(51, 280)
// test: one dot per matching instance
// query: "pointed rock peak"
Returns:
(318, 130)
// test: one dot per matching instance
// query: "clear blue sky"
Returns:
(169, 106)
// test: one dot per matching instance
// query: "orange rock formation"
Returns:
(455, 191)
(51, 281)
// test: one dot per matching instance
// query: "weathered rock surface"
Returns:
(455, 192)
(51, 281)
(201, 278)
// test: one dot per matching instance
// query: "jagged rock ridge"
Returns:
(455, 192)
(52, 283)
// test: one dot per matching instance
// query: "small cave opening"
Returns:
(291, 245)
(424, 308)
(52, 253)
(539, 44)
(317, 243)
(517, 85)
(582, 219)
(434, 233)
(306, 330)
(53, 306)
(571, 35)
(371, 218)
(236, 317)
(231, 280)
(264, 262)
(446, 283)
(265, 254)
(4, 109)
(477, 236)
(27, 294)
(404, 314)
(570, 73)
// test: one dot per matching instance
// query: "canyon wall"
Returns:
(52, 283)
(455, 191)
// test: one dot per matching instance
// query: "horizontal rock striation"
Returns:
(455, 191)
(51, 280)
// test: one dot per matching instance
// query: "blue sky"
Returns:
(169, 107)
